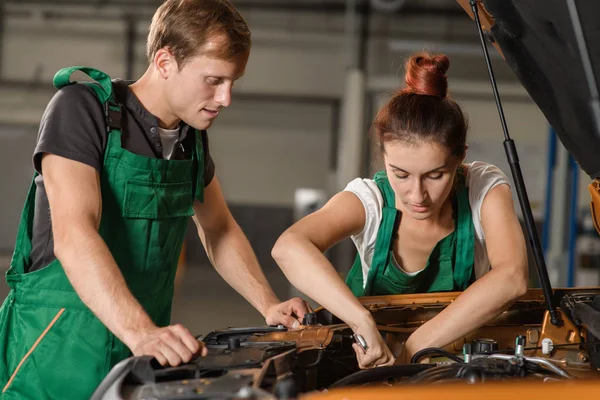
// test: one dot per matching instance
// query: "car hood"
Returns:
(537, 40)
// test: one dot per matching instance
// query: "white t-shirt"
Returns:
(481, 178)
(170, 138)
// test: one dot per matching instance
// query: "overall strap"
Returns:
(464, 253)
(199, 167)
(385, 233)
(23, 245)
(102, 88)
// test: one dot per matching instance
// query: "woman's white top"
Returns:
(481, 178)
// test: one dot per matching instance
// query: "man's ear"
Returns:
(165, 62)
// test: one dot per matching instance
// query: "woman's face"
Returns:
(421, 174)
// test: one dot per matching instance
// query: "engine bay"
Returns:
(275, 363)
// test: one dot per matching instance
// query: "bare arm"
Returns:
(299, 253)
(231, 254)
(495, 291)
(76, 207)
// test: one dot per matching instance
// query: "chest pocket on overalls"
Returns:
(149, 200)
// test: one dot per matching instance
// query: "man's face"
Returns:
(196, 93)
(421, 174)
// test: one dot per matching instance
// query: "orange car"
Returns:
(547, 345)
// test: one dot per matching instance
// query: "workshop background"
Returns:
(297, 129)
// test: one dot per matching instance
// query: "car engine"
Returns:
(275, 363)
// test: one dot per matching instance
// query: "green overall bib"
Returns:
(51, 345)
(450, 264)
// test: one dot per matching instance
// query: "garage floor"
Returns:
(203, 301)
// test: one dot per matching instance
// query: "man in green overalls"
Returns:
(427, 223)
(120, 168)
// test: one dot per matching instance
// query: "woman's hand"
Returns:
(377, 354)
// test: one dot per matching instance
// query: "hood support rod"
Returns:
(515, 168)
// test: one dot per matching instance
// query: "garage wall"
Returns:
(527, 127)
(16, 148)
(277, 136)
(265, 149)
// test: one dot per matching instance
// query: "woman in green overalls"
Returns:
(427, 223)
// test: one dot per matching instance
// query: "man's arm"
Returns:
(73, 190)
(231, 254)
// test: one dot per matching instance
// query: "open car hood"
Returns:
(537, 40)
(317, 361)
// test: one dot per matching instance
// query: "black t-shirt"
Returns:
(73, 127)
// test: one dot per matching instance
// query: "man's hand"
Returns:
(231, 254)
(171, 345)
(289, 313)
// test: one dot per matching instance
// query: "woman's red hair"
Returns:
(421, 111)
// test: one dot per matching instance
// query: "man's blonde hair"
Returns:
(185, 26)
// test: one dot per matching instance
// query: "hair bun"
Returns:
(426, 74)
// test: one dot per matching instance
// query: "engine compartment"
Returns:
(276, 363)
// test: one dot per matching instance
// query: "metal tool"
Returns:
(360, 341)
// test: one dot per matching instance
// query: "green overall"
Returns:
(450, 264)
(51, 345)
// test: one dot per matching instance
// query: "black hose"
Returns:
(314, 363)
(434, 374)
(434, 351)
(490, 368)
(379, 374)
